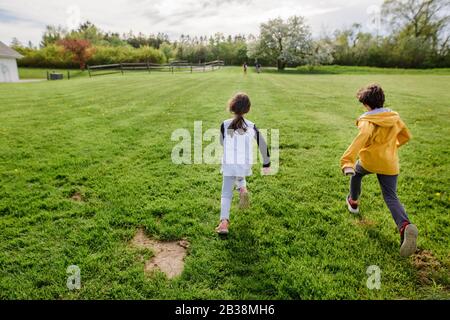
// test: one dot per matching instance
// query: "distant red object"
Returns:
(81, 50)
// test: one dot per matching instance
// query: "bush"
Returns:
(53, 56)
(148, 54)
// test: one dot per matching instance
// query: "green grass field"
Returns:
(41, 73)
(108, 140)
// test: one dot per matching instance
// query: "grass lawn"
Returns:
(108, 140)
(41, 73)
(333, 69)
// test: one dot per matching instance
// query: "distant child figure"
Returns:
(258, 67)
(237, 137)
(245, 68)
(381, 133)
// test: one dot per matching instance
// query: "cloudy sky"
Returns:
(26, 19)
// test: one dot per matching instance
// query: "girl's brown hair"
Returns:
(239, 105)
(372, 95)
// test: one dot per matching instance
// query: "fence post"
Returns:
(121, 68)
(191, 68)
(148, 67)
(48, 76)
(68, 75)
(172, 69)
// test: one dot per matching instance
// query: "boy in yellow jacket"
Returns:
(381, 133)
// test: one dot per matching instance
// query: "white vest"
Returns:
(237, 158)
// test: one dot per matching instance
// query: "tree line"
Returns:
(416, 35)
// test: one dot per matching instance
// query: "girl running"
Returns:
(237, 135)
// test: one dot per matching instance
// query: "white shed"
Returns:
(8, 64)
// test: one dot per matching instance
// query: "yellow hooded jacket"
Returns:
(381, 133)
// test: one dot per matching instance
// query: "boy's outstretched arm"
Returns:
(348, 160)
(263, 148)
(404, 136)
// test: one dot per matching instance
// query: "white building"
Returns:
(8, 64)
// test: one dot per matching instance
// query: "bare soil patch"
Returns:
(168, 256)
(77, 196)
(364, 222)
(427, 266)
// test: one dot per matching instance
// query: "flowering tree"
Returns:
(80, 49)
(321, 53)
(283, 42)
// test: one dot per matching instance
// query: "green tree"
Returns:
(15, 43)
(52, 35)
(427, 20)
(168, 51)
(88, 31)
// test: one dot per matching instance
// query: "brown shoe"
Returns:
(222, 229)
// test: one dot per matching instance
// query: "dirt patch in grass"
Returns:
(364, 222)
(428, 267)
(77, 196)
(168, 256)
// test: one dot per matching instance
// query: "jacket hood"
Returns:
(381, 117)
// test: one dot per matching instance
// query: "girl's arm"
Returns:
(222, 133)
(348, 160)
(263, 148)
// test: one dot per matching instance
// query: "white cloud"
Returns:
(26, 19)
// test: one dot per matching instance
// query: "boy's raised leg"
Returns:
(355, 189)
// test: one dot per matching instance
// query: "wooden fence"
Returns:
(175, 66)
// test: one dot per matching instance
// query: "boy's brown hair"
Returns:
(372, 95)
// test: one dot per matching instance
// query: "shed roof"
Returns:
(7, 52)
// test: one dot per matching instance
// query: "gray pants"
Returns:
(227, 194)
(388, 186)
